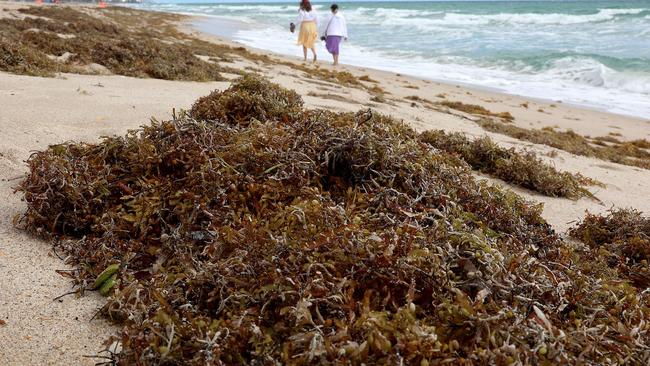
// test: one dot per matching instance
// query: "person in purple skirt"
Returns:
(336, 30)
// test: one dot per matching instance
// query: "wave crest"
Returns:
(593, 73)
(389, 16)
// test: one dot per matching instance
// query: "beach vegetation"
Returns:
(378, 98)
(623, 237)
(251, 98)
(131, 42)
(476, 110)
(18, 59)
(641, 143)
(415, 98)
(610, 139)
(72, 39)
(367, 78)
(319, 238)
(523, 169)
(626, 153)
(332, 96)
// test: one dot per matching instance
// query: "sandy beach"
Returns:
(40, 111)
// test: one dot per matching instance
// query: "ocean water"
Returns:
(590, 53)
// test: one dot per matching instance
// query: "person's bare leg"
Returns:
(304, 52)
(336, 59)
(313, 50)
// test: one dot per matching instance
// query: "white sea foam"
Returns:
(261, 9)
(579, 81)
(593, 73)
(411, 17)
(589, 57)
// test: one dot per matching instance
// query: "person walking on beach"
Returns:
(308, 21)
(335, 31)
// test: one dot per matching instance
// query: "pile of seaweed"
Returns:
(274, 234)
(622, 238)
(522, 169)
(62, 39)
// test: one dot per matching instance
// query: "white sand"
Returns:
(41, 111)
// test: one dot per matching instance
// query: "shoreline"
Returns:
(230, 37)
(484, 93)
(43, 111)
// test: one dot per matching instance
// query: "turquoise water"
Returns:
(593, 53)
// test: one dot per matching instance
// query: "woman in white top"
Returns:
(308, 20)
(335, 31)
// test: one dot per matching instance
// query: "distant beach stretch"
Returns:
(591, 53)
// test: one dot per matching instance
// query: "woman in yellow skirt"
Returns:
(308, 20)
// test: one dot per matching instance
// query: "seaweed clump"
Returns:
(522, 169)
(476, 109)
(627, 153)
(19, 59)
(623, 238)
(250, 98)
(329, 238)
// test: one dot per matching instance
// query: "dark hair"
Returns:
(305, 5)
(334, 7)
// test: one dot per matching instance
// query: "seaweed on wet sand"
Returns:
(324, 238)
(522, 169)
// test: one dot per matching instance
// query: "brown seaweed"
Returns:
(476, 109)
(251, 98)
(627, 153)
(522, 169)
(139, 52)
(623, 236)
(320, 238)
